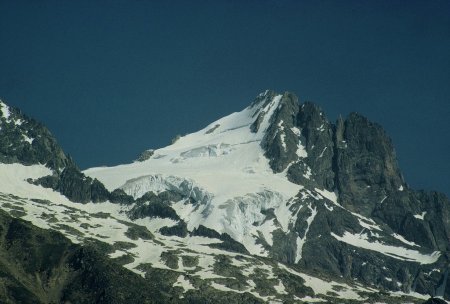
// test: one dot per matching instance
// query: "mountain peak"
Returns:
(275, 180)
(262, 99)
(27, 141)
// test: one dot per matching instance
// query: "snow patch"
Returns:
(420, 216)
(13, 181)
(366, 222)
(27, 139)
(296, 131)
(283, 135)
(321, 287)
(330, 208)
(183, 283)
(308, 173)
(267, 228)
(328, 195)
(400, 253)
(301, 150)
(117, 254)
(369, 226)
(301, 241)
(280, 288)
(309, 299)
(5, 110)
(323, 151)
(249, 290)
(402, 239)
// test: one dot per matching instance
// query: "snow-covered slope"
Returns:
(225, 164)
(226, 171)
(226, 158)
(189, 263)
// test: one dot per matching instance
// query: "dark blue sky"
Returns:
(113, 78)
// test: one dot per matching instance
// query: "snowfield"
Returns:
(223, 166)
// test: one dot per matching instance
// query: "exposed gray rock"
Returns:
(26, 141)
(421, 217)
(153, 205)
(75, 186)
(147, 154)
(228, 242)
(280, 142)
(435, 301)
(366, 165)
(317, 138)
(259, 103)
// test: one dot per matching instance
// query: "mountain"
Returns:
(273, 203)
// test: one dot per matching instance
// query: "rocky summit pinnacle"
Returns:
(27, 141)
(274, 203)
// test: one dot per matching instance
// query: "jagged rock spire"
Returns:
(27, 141)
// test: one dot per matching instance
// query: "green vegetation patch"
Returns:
(41, 201)
(124, 259)
(102, 215)
(170, 258)
(86, 226)
(165, 277)
(69, 230)
(99, 245)
(293, 284)
(233, 283)
(135, 232)
(120, 245)
(224, 267)
(14, 207)
(49, 218)
(189, 261)
(17, 213)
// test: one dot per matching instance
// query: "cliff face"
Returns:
(26, 141)
(367, 169)
(355, 160)
(353, 157)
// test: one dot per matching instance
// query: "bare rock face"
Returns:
(366, 165)
(422, 217)
(316, 134)
(280, 141)
(354, 159)
(26, 141)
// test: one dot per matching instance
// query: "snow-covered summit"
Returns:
(214, 156)
(27, 141)
(262, 172)
(224, 160)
